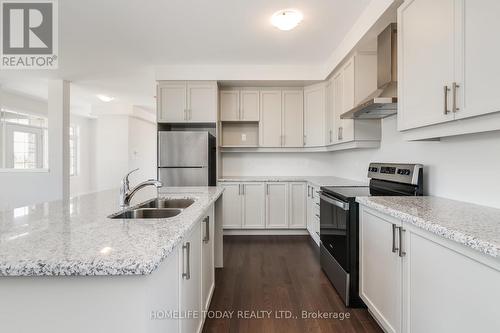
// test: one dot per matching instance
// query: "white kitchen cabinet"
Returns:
(313, 213)
(314, 115)
(425, 63)
(330, 112)
(190, 282)
(171, 101)
(380, 269)
(277, 205)
(202, 101)
(443, 288)
(297, 205)
(270, 115)
(456, 77)
(207, 259)
(229, 105)
(232, 206)
(239, 105)
(428, 283)
(293, 118)
(352, 83)
(186, 101)
(254, 205)
(249, 101)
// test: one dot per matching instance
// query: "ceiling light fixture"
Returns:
(105, 98)
(286, 19)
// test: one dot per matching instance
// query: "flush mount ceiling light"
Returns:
(286, 19)
(105, 98)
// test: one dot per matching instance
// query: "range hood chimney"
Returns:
(383, 102)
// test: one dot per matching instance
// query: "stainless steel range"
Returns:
(339, 222)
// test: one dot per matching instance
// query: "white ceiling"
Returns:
(112, 47)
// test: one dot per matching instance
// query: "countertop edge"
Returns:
(458, 236)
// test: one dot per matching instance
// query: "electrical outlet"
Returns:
(243, 137)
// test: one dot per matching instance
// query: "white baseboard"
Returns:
(266, 232)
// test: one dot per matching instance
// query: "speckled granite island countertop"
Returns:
(77, 237)
(474, 226)
(316, 180)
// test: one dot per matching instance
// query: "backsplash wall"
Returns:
(462, 168)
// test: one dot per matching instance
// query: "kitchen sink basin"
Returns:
(168, 203)
(147, 213)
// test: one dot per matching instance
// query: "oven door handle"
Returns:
(340, 204)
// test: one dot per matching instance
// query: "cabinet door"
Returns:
(254, 206)
(190, 282)
(171, 102)
(338, 104)
(478, 71)
(309, 210)
(380, 271)
(207, 259)
(231, 202)
(276, 206)
(293, 118)
(348, 98)
(446, 291)
(426, 35)
(270, 115)
(249, 105)
(330, 112)
(297, 205)
(202, 101)
(314, 115)
(230, 105)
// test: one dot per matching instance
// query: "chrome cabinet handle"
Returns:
(394, 247)
(317, 203)
(446, 89)
(317, 215)
(454, 87)
(243, 189)
(267, 189)
(340, 133)
(402, 253)
(331, 132)
(186, 271)
(206, 239)
(305, 136)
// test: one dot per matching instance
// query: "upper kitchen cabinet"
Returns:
(351, 84)
(239, 105)
(448, 68)
(292, 118)
(314, 115)
(270, 125)
(187, 101)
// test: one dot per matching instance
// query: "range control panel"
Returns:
(401, 173)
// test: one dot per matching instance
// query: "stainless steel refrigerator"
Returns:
(186, 158)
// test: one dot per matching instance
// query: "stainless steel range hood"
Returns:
(382, 102)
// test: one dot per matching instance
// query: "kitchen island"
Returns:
(68, 267)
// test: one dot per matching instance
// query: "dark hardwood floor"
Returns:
(273, 273)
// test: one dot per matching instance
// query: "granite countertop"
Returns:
(77, 238)
(316, 180)
(474, 226)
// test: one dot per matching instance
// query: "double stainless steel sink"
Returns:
(158, 208)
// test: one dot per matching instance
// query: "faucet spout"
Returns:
(126, 193)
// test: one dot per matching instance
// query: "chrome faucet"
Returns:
(126, 193)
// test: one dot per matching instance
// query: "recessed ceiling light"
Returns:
(286, 19)
(105, 98)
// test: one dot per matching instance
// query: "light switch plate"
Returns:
(243, 137)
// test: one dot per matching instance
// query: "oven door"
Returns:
(334, 220)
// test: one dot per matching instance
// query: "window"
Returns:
(23, 140)
(73, 150)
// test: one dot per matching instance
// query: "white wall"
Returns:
(462, 168)
(84, 181)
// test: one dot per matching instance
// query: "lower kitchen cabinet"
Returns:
(276, 205)
(313, 213)
(232, 203)
(297, 203)
(416, 282)
(253, 205)
(380, 270)
(190, 282)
